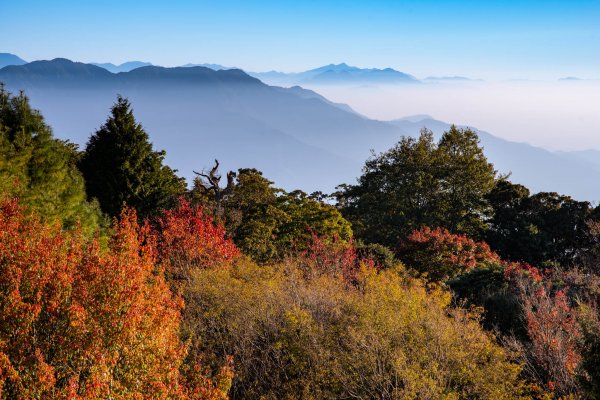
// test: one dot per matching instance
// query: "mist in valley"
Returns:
(556, 115)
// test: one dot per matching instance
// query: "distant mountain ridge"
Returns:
(331, 74)
(297, 137)
(216, 67)
(125, 67)
(198, 114)
(337, 74)
(10, 59)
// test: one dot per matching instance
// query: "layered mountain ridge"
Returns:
(297, 137)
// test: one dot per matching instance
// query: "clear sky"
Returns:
(530, 39)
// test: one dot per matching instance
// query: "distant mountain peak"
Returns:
(343, 66)
(62, 65)
(215, 67)
(10, 59)
(124, 67)
(60, 60)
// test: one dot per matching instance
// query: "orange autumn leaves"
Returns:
(81, 321)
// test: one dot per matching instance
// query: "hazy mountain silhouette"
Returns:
(296, 136)
(336, 74)
(216, 67)
(589, 156)
(311, 94)
(59, 72)
(10, 59)
(125, 67)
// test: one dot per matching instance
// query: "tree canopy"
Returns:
(419, 182)
(39, 168)
(266, 222)
(538, 228)
(122, 169)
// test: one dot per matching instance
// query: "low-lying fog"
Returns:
(560, 115)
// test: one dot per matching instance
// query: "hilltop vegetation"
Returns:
(432, 277)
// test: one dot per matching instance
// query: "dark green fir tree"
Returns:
(122, 169)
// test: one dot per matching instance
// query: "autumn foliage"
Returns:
(333, 257)
(79, 321)
(316, 337)
(551, 354)
(442, 255)
(187, 238)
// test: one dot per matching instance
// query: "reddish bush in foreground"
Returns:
(79, 322)
(554, 333)
(187, 238)
(551, 355)
(442, 255)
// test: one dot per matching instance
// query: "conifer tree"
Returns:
(39, 168)
(121, 168)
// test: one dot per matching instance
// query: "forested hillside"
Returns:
(432, 276)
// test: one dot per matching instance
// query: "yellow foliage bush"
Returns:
(388, 337)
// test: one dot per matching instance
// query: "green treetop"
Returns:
(40, 169)
(266, 222)
(121, 168)
(419, 182)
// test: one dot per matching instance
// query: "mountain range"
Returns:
(295, 136)
(333, 74)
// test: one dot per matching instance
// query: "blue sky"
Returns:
(485, 39)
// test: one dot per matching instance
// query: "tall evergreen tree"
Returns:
(121, 168)
(39, 168)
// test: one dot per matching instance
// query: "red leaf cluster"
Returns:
(187, 238)
(554, 334)
(515, 271)
(441, 254)
(79, 321)
(333, 257)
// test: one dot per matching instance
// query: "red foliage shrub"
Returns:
(441, 254)
(80, 322)
(187, 238)
(515, 271)
(551, 354)
(333, 257)
(554, 333)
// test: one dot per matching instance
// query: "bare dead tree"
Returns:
(209, 181)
